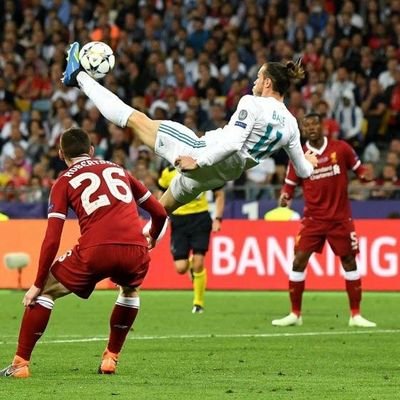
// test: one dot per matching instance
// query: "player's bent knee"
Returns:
(128, 291)
(54, 289)
(349, 262)
(299, 266)
(145, 127)
(181, 266)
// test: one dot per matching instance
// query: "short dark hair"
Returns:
(75, 142)
(313, 115)
(282, 75)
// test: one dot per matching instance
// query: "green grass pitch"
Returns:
(229, 352)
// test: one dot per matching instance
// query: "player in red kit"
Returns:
(104, 197)
(327, 217)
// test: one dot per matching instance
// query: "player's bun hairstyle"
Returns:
(295, 70)
(283, 74)
(75, 142)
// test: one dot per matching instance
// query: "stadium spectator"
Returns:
(232, 71)
(330, 125)
(388, 77)
(206, 81)
(5, 95)
(15, 140)
(198, 36)
(350, 119)
(37, 142)
(33, 192)
(191, 227)
(259, 179)
(341, 84)
(15, 121)
(374, 109)
(106, 249)
(216, 118)
(6, 171)
(392, 100)
(388, 183)
(327, 217)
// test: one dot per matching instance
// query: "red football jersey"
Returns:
(103, 196)
(325, 192)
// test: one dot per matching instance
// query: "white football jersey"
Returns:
(259, 127)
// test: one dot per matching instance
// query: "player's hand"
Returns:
(151, 243)
(186, 163)
(365, 174)
(30, 296)
(146, 233)
(284, 200)
(216, 225)
(311, 157)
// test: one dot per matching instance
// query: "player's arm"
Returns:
(57, 214)
(354, 163)
(148, 202)
(232, 136)
(304, 164)
(49, 249)
(291, 181)
(219, 195)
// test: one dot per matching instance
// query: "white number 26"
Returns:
(114, 185)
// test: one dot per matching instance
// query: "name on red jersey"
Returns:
(85, 163)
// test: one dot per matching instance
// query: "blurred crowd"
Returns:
(191, 61)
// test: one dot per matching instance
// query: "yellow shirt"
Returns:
(281, 214)
(3, 217)
(198, 205)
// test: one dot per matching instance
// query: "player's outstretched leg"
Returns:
(122, 318)
(73, 66)
(110, 106)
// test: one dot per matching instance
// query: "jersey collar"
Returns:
(315, 150)
(77, 160)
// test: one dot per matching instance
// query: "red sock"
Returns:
(354, 293)
(33, 325)
(121, 321)
(296, 290)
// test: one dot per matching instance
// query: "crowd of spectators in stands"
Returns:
(191, 61)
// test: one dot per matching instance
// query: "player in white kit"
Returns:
(260, 126)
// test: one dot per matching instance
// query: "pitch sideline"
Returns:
(218, 336)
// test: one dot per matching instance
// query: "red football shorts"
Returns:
(79, 270)
(340, 235)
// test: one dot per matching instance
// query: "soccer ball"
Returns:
(97, 59)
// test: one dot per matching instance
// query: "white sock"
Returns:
(351, 275)
(131, 302)
(45, 302)
(110, 105)
(295, 276)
